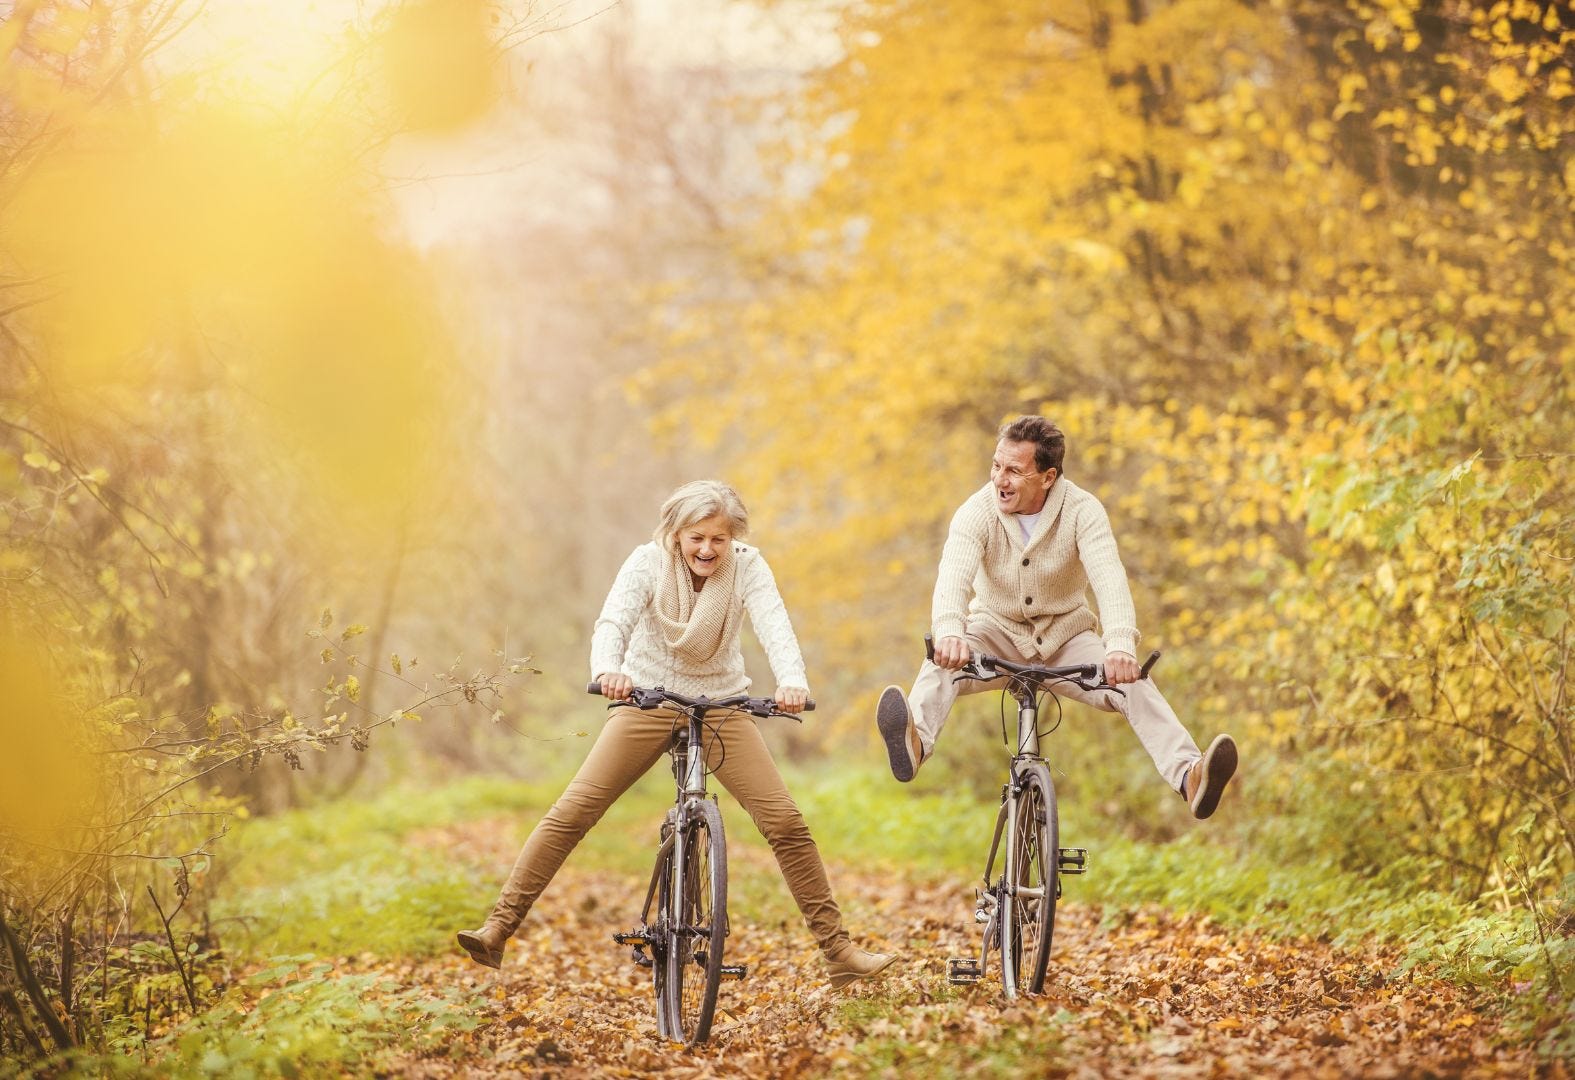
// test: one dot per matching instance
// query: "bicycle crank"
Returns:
(640, 940)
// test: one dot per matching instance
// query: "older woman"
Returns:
(672, 619)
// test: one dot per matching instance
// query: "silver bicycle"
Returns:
(1022, 874)
(683, 923)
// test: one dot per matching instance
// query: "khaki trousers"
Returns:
(630, 743)
(1145, 708)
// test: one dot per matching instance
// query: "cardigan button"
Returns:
(1030, 600)
(1039, 640)
(1025, 562)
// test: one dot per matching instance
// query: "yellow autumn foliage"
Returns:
(1295, 277)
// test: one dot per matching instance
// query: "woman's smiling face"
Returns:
(701, 544)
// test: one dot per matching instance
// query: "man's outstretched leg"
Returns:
(1200, 778)
(909, 725)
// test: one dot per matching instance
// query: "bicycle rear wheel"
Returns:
(699, 927)
(1032, 895)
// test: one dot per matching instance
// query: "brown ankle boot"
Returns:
(848, 962)
(485, 946)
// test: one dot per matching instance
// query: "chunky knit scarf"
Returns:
(697, 624)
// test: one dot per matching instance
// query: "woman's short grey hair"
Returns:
(696, 501)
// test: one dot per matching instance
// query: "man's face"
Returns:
(1020, 488)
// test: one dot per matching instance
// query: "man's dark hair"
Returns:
(1049, 443)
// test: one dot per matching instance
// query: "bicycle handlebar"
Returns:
(984, 667)
(652, 697)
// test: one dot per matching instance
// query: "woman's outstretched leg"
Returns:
(630, 743)
(745, 767)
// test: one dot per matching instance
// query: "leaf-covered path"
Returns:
(1144, 993)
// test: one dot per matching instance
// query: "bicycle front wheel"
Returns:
(1036, 866)
(699, 929)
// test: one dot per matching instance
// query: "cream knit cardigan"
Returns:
(628, 637)
(1034, 593)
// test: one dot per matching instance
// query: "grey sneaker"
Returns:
(895, 722)
(1208, 776)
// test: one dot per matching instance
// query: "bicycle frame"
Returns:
(663, 929)
(687, 754)
(992, 911)
(997, 901)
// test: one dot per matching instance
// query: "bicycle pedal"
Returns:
(1073, 860)
(962, 970)
(734, 971)
(632, 937)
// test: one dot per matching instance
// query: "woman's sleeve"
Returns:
(631, 592)
(768, 615)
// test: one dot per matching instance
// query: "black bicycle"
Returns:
(1018, 901)
(683, 923)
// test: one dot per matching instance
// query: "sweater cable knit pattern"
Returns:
(1035, 592)
(628, 636)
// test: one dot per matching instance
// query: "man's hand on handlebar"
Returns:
(951, 653)
(1121, 668)
(791, 699)
(616, 687)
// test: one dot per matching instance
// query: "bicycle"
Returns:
(1017, 907)
(683, 923)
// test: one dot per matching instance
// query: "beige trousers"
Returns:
(630, 743)
(1145, 708)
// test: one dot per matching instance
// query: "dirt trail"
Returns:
(1141, 994)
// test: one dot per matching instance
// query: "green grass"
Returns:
(345, 878)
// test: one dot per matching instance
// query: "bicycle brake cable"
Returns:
(1059, 713)
(715, 732)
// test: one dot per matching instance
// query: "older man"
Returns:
(1013, 579)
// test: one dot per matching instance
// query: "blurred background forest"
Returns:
(347, 348)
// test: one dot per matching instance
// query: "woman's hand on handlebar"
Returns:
(1121, 668)
(791, 699)
(617, 687)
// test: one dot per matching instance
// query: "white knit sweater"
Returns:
(628, 639)
(1034, 593)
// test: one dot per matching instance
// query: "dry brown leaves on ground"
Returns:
(1140, 994)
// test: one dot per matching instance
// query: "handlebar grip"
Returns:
(809, 706)
(1153, 657)
(593, 688)
(929, 648)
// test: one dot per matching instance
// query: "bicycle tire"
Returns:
(660, 942)
(697, 934)
(1029, 929)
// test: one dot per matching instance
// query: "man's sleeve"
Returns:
(960, 561)
(1096, 547)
